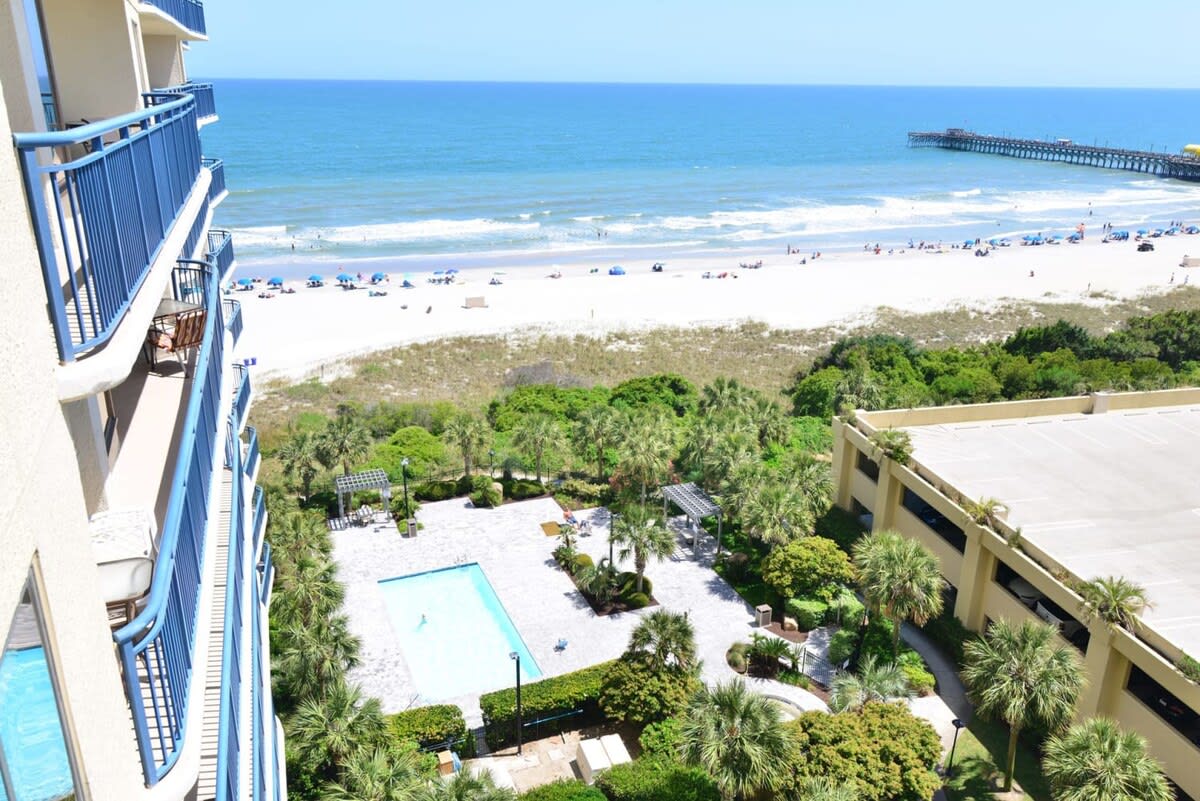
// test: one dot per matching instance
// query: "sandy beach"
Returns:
(293, 335)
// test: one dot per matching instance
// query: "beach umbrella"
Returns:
(994, 242)
(616, 269)
(1191, 229)
(244, 282)
(275, 281)
(967, 243)
(1143, 231)
(343, 277)
(315, 277)
(378, 277)
(439, 272)
(452, 271)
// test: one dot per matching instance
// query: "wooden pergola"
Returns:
(695, 503)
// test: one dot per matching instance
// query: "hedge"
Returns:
(808, 612)
(563, 790)
(548, 698)
(521, 489)
(656, 780)
(436, 491)
(430, 726)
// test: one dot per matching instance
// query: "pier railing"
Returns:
(1164, 165)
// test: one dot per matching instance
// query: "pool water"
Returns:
(30, 731)
(454, 632)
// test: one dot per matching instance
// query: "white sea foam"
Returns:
(420, 230)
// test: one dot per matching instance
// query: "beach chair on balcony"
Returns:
(184, 335)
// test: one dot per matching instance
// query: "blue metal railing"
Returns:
(252, 452)
(220, 252)
(206, 104)
(233, 318)
(156, 647)
(102, 199)
(188, 13)
(229, 744)
(216, 189)
(193, 238)
(241, 398)
(260, 518)
(50, 111)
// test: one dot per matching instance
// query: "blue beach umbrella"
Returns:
(244, 282)
(378, 277)
(1143, 231)
(315, 277)
(343, 277)
(439, 272)
(275, 281)
(616, 269)
(968, 243)
(452, 271)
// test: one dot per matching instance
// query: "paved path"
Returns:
(951, 701)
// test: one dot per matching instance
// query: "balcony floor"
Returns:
(150, 410)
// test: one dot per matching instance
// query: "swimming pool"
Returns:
(30, 732)
(454, 632)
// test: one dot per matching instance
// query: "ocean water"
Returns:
(439, 173)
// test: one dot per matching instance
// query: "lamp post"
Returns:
(513, 655)
(491, 460)
(958, 726)
(404, 476)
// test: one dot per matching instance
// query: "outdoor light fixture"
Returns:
(958, 726)
(513, 655)
(404, 475)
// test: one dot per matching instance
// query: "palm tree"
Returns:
(770, 422)
(736, 735)
(643, 536)
(379, 774)
(300, 457)
(859, 388)
(899, 579)
(534, 436)
(700, 441)
(766, 653)
(1021, 675)
(735, 451)
(874, 682)
(776, 514)
(814, 479)
(646, 450)
(466, 786)
(293, 535)
(824, 789)
(665, 638)
(599, 580)
(309, 591)
(307, 660)
(328, 730)
(1096, 761)
(597, 430)
(345, 440)
(724, 394)
(1115, 600)
(469, 435)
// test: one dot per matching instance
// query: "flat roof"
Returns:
(1103, 494)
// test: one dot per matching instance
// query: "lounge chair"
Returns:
(185, 334)
(561, 645)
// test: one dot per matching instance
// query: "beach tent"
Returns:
(275, 281)
(344, 277)
(377, 277)
(616, 269)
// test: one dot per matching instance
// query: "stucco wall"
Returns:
(95, 60)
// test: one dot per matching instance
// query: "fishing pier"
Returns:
(1164, 165)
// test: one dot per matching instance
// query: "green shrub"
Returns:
(635, 692)
(581, 562)
(434, 725)
(810, 567)
(795, 678)
(845, 610)
(920, 680)
(398, 507)
(558, 696)
(563, 790)
(809, 613)
(436, 491)
(842, 645)
(736, 565)
(662, 738)
(656, 780)
(521, 489)
(585, 492)
(485, 493)
(877, 641)
(628, 583)
(636, 600)
(840, 526)
(423, 450)
(1190, 667)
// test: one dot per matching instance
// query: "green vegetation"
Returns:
(900, 579)
(1116, 601)
(653, 780)
(1096, 761)
(874, 682)
(978, 765)
(438, 725)
(565, 695)
(563, 790)
(810, 568)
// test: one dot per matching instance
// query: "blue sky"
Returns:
(1014, 43)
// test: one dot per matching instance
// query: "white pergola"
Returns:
(695, 503)
(346, 486)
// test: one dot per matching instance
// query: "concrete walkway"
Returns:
(951, 701)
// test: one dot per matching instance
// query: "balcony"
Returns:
(206, 105)
(216, 189)
(104, 198)
(233, 318)
(220, 253)
(241, 398)
(187, 13)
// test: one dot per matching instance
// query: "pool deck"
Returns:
(508, 543)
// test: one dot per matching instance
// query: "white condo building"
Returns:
(134, 579)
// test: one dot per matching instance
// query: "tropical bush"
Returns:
(580, 563)
(636, 600)
(522, 489)
(635, 692)
(584, 492)
(1189, 667)
(434, 725)
(423, 450)
(735, 565)
(842, 645)
(672, 391)
(662, 738)
(656, 780)
(808, 613)
(810, 567)
(845, 610)
(436, 490)
(563, 790)
(561, 695)
(884, 751)
(485, 493)
(920, 680)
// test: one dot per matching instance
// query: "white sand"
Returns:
(294, 335)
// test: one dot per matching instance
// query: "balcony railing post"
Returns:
(45, 245)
